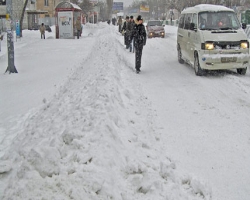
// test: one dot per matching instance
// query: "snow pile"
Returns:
(95, 139)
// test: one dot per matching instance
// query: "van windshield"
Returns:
(221, 20)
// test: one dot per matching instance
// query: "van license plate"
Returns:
(228, 59)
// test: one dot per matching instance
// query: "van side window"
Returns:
(194, 20)
(187, 21)
(181, 21)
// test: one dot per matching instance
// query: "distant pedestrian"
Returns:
(131, 29)
(42, 31)
(114, 21)
(140, 37)
(119, 23)
(126, 34)
(78, 27)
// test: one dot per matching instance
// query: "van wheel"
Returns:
(180, 55)
(242, 71)
(197, 68)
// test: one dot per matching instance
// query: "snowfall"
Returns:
(77, 122)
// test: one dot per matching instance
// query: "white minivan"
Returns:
(210, 37)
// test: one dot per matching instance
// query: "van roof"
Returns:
(206, 7)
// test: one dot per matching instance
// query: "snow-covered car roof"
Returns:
(206, 7)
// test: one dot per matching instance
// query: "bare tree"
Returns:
(109, 8)
(22, 16)
(86, 6)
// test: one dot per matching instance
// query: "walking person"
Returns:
(114, 21)
(78, 27)
(42, 31)
(119, 23)
(124, 29)
(131, 28)
(139, 35)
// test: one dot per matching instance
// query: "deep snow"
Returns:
(76, 122)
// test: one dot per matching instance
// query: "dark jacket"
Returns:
(139, 35)
(124, 26)
(130, 27)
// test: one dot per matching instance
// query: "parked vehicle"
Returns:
(210, 37)
(47, 28)
(155, 29)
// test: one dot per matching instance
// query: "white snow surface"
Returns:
(77, 122)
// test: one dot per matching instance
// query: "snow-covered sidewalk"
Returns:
(77, 122)
(93, 135)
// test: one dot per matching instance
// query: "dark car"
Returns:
(155, 29)
(47, 28)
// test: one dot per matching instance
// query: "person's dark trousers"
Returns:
(133, 46)
(78, 34)
(125, 39)
(138, 55)
(120, 27)
(42, 36)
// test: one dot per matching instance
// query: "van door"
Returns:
(186, 36)
(194, 40)
(180, 34)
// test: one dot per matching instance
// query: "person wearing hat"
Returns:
(124, 29)
(139, 35)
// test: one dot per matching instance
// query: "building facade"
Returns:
(47, 5)
(37, 11)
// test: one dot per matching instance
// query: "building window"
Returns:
(46, 2)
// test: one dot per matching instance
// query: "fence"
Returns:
(47, 21)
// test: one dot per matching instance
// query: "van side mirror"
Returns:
(244, 25)
(192, 26)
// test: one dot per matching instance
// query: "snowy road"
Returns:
(97, 130)
(205, 120)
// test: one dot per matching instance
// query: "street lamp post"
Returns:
(10, 43)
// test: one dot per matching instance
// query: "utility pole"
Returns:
(10, 43)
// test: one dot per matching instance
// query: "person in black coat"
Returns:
(131, 25)
(126, 34)
(139, 35)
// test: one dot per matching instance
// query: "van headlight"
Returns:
(243, 45)
(209, 46)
